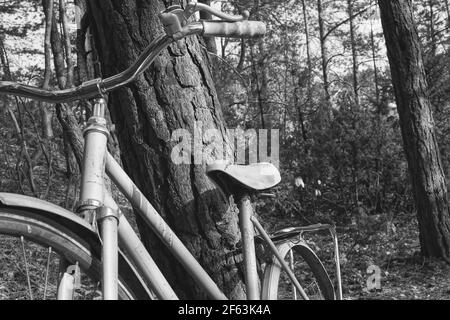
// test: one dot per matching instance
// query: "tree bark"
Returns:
(67, 45)
(82, 21)
(240, 65)
(210, 42)
(258, 86)
(308, 51)
(375, 67)
(174, 93)
(324, 55)
(432, 29)
(417, 126)
(447, 10)
(354, 52)
(378, 124)
(60, 46)
(46, 114)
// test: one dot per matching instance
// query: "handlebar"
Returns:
(242, 29)
(175, 23)
(92, 88)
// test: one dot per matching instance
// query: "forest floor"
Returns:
(390, 248)
(393, 252)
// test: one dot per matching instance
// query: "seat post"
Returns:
(248, 246)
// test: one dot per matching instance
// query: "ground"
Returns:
(391, 248)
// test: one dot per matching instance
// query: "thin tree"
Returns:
(417, 126)
(432, 28)
(210, 42)
(45, 112)
(324, 52)
(354, 51)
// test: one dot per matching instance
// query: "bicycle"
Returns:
(105, 247)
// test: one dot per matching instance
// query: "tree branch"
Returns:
(345, 21)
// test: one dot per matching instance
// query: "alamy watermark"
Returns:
(374, 280)
(238, 146)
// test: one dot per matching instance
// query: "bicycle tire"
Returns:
(272, 272)
(75, 246)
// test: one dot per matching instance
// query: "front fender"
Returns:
(47, 209)
(79, 226)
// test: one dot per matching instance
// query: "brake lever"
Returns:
(175, 19)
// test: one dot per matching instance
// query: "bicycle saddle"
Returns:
(233, 179)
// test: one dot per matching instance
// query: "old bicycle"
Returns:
(104, 248)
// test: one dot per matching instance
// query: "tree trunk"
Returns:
(354, 52)
(417, 125)
(257, 86)
(174, 93)
(432, 29)
(210, 42)
(447, 10)
(379, 138)
(375, 67)
(263, 87)
(82, 21)
(259, 71)
(242, 55)
(64, 68)
(67, 45)
(46, 114)
(308, 52)
(324, 55)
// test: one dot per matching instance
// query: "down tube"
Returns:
(130, 242)
(160, 227)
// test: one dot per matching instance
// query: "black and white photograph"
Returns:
(243, 151)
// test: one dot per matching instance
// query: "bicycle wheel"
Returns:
(31, 247)
(308, 269)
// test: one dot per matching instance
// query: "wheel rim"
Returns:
(308, 270)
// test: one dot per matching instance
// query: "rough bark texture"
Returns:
(417, 125)
(174, 93)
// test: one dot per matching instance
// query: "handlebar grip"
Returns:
(241, 29)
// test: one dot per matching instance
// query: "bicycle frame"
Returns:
(116, 231)
(93, 196)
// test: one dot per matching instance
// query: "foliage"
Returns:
(356, 154)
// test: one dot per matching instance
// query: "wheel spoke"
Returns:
(22, 240)
(291, 265)
(47, 271)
